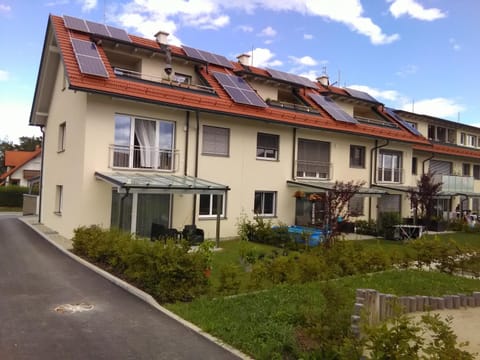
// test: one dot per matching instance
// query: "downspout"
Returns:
(424, 161)
(373, 170)
(40, 189)
(294, 152)
(197, 146)
(187, 130)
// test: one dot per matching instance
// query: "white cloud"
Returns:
(455, 45)
(438, 107)
(390, 95)
(4, 75)
(213, 14)
(414, 10)
(305, 60)
(14, 122)
(407, 70)
(5, 9)
(57, 3)
(308, 36)
(268, 32)
(88, 5)
(261, 57)
(311, 74)
(246, 28)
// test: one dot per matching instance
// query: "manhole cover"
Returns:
(73, 308)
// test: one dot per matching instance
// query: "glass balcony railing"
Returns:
(138, 157)
(455, 183)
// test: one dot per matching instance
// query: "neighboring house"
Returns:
(137, 132)
(22, 166)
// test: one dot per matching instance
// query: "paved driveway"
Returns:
(36, 278)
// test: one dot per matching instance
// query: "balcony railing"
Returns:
(314, 169)
(455, 183)
(138, 157)
(390, 175)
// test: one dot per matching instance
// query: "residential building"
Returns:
(177, 136)
(22, 166)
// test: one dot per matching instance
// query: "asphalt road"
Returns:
(36, 278)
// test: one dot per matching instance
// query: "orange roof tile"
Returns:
(222, 103)
(18, 158)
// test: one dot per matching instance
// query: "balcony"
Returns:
(455, 183)
(142, 158)
(390, 175)
(314, 169)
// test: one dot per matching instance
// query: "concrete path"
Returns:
(52, 307)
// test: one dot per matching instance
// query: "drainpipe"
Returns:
(294, 152)
(373, 170)
(187, 126)
(40, 188)
(424, 161)
(197, 146)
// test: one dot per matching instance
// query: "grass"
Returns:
(264, 324)
(10, 209)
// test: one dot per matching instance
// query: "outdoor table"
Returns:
(408, 231)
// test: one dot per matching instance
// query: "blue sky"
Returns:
(419, 55)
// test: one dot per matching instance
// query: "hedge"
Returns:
(12, 195)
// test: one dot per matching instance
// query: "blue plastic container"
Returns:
(315, 236)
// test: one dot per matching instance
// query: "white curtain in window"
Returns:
(145, 134)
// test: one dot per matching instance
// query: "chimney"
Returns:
(244, 59)
(161, 37)
(323, 80)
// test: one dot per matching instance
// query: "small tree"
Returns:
(336, 206)
(423, 196)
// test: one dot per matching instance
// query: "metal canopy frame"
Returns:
(155, 183)
(326, 186)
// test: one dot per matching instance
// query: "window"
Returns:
(267, 146)
(466, 169)
(476, 172)
(441, 134)
(61, 136)
(265, 203)
(208, 205)
(476, 205)
(414, 166)
(357, 156)
(58, 199)
(143, 143)
(183, 78)
(215, 141)
(355, 206)
(389, 166)
(468, 140)
(313, 159)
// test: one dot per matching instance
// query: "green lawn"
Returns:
(10, 209)
(265, 324)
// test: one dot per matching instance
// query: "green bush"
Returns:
(12, 195)
(229, 279)
(261, 231)
(386, 223)
(167, 271)
(365, 227)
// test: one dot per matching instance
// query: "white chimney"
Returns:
(244, 59)
(323, 80)
(162, 37)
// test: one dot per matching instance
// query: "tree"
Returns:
(423, 196)
(336, 206)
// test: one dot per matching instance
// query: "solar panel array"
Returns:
(239, 90)
(332, 108)
(361, 95)
(409, 127)
(88, 58)
(291, 78)
(94, 28)
(207, 57)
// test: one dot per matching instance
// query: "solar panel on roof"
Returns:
(239, 90)
(291, 78)
(360, 95)
(332, 108)
(207, 57)
(74, 23)
(407, 125)
(91, 27)
(88, 58)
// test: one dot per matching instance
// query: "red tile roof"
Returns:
(449, 150)
(16, 159)
(222, 103)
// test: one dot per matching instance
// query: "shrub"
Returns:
(169, 272)
(365, 227)
(229, 279)
(386, 222)
(12, 195)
